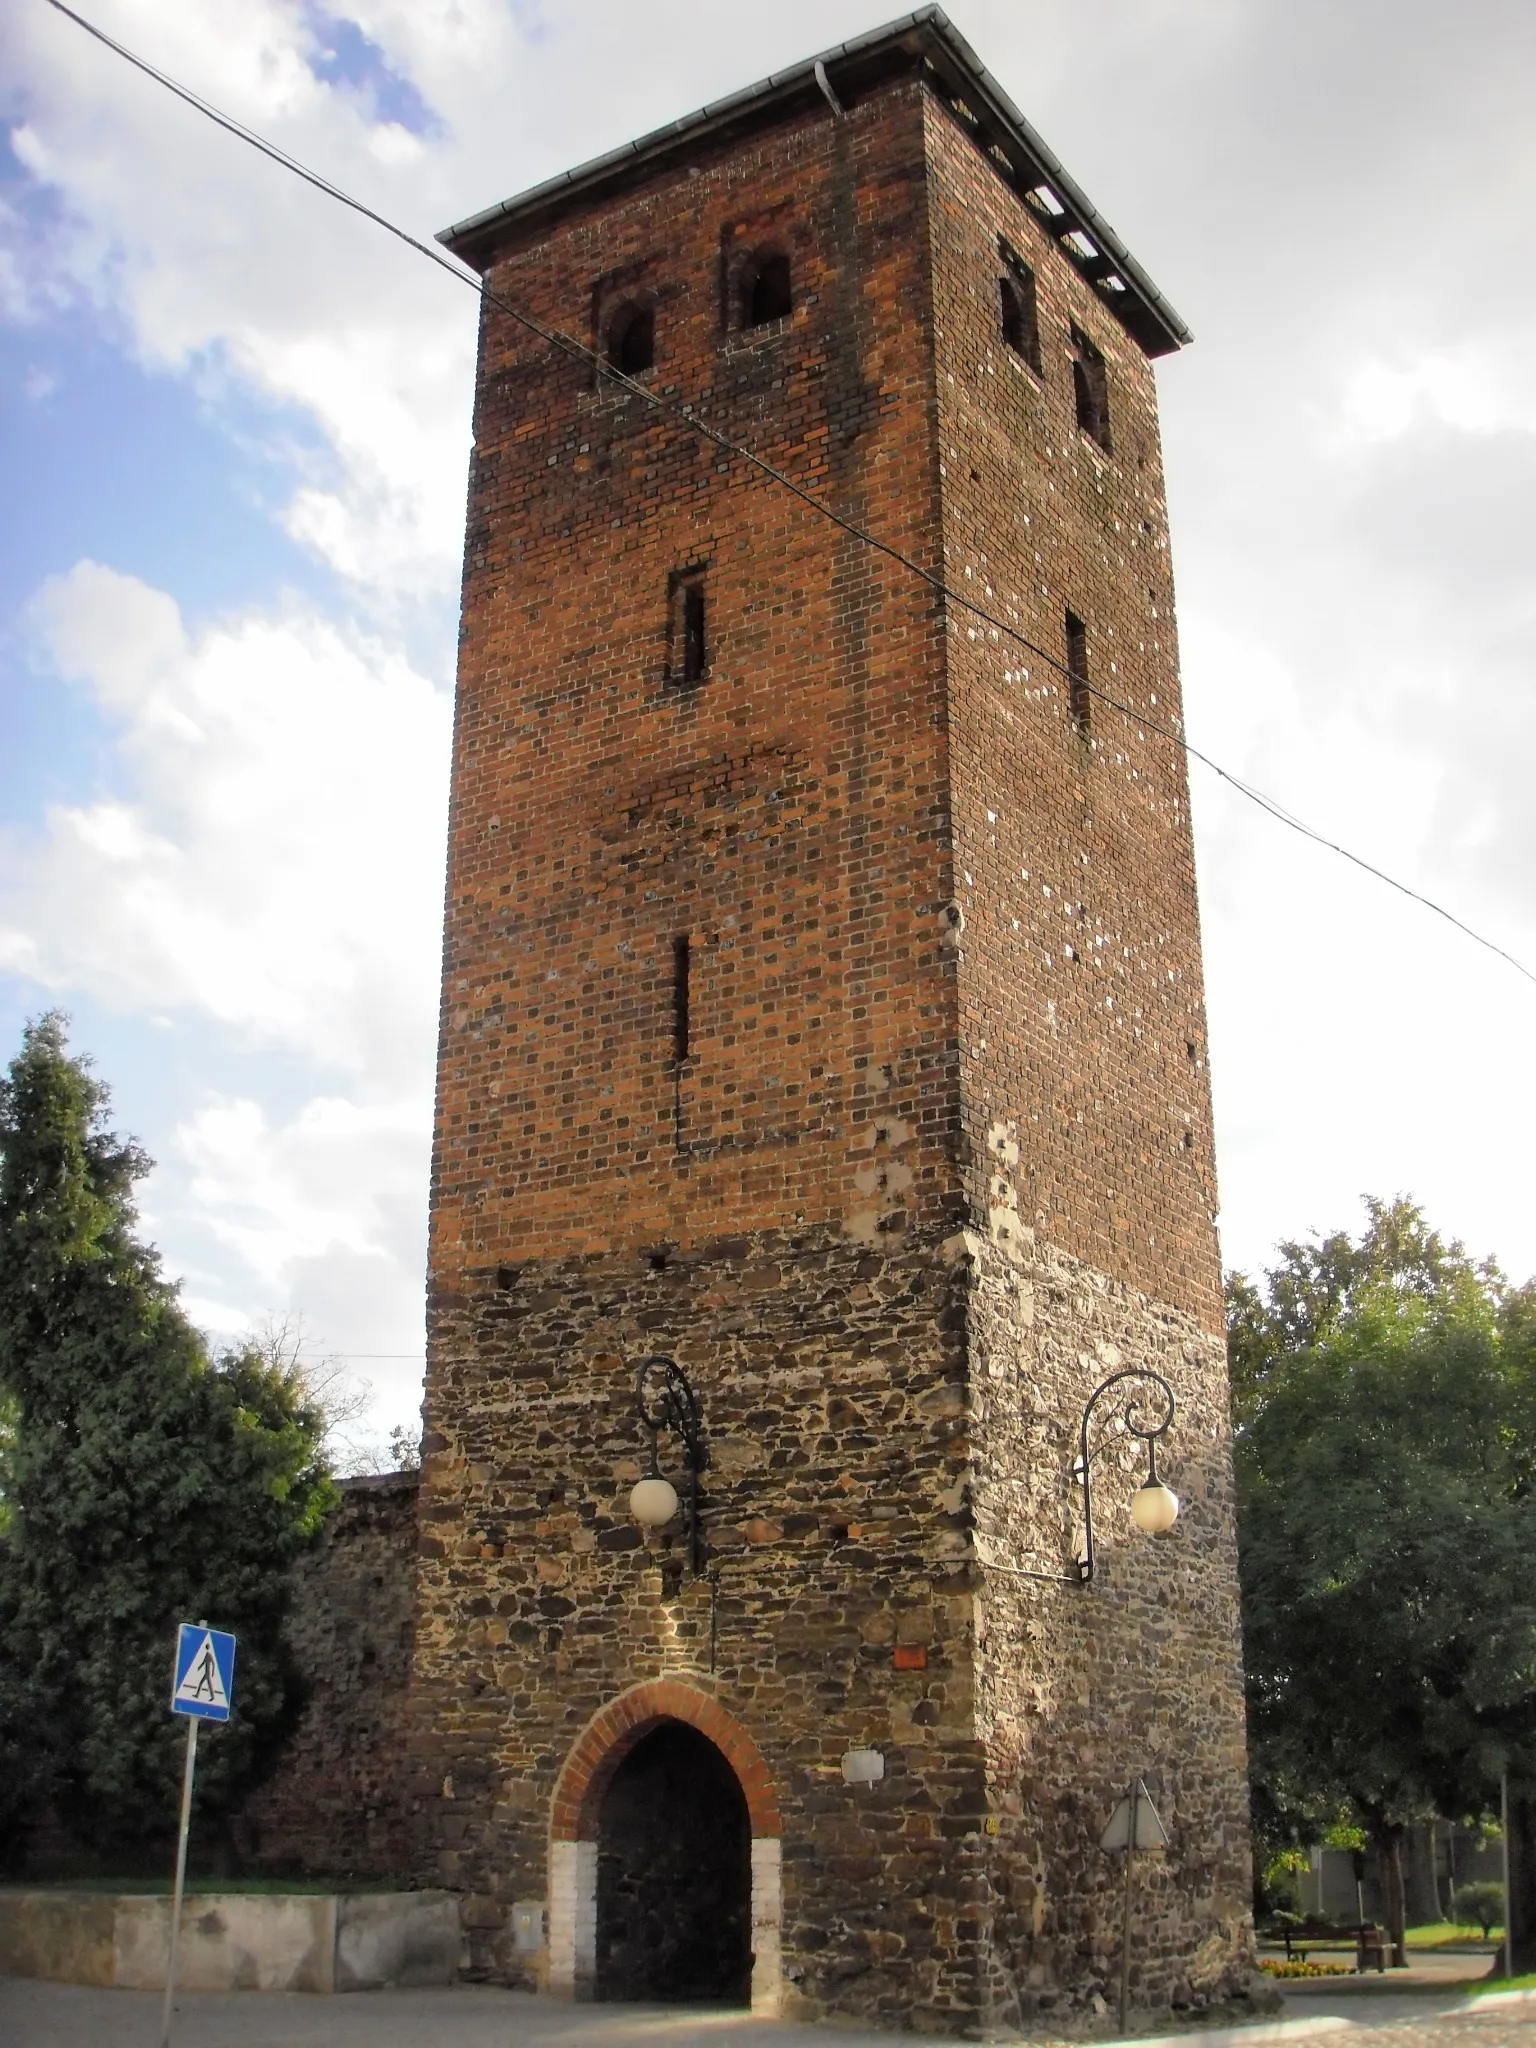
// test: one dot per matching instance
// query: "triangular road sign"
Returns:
(205, 1671)
(1149, 1830)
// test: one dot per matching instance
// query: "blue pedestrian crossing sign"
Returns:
(205, 1672)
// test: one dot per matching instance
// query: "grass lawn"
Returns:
(1488, 1984)
(1443, 1934)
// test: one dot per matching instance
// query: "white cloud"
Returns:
(1383, 399)
(275, 858)
(270, 861)
(339, 1178)
(319, 1216)
(204, 251)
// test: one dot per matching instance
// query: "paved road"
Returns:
(36, 2015)
(1432, 2023)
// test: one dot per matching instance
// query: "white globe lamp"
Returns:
(1154, 1507)
(653, 1501)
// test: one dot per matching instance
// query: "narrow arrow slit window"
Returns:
(680, 971)
(1079, 697)
(688, 654)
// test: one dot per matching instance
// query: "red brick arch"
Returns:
(613, 1732)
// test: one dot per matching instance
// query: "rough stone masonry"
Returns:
(822, 1009)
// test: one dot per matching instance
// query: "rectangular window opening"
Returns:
(1090, 389)
(1019, 313)
(680, 964)
(1079, 696)
(688, 653)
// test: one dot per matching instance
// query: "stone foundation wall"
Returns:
(891, 1439)
(1081, 1688)
(832, 1380)
(334, 1807)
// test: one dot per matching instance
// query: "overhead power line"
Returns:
(687, 416)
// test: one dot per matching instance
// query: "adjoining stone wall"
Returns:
(1083, 1687)
(335, 1805)
(232, 1941)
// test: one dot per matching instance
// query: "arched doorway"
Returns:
(674, 1874)
(576, 1831)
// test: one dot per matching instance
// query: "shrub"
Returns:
(1482, 1902)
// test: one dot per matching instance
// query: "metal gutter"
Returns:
(1159, 328)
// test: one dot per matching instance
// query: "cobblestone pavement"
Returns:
(37, 2015)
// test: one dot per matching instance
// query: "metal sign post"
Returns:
(202, 1688)
(1125, 1925)
(1133, 1825)
(1509, 1931)
(181, 1878)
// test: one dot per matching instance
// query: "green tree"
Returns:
(7, 1446)
(1386, 1524)
(147, 1484)
(1482, 1902)
(1399, 1264)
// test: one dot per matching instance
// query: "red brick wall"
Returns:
(1081, 1002)
(789, 814)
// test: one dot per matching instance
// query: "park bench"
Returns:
(1370, 1942)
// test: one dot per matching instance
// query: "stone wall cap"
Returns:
(381, 1482)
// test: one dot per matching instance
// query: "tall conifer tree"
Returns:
(146, 1484)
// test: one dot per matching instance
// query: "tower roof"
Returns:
(926, 38)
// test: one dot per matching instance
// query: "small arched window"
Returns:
(765, 290)
(631, 343)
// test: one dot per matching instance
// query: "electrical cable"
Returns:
(688, 417)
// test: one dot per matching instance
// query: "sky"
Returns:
(234, 425)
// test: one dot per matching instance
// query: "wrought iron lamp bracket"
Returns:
(1082, 1464)
(665, 1398)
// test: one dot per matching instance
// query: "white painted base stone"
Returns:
(767, 1919)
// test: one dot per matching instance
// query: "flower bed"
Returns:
(1300, 1969)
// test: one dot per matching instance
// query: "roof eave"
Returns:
(927, 34)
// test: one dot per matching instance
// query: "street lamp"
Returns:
(1154, 1507)
(666, 1400)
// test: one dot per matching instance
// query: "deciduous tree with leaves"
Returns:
(1383, 1396)
(146, 1483)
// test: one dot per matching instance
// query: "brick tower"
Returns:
(822, 1011)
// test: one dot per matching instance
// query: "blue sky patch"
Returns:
(345, 56)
